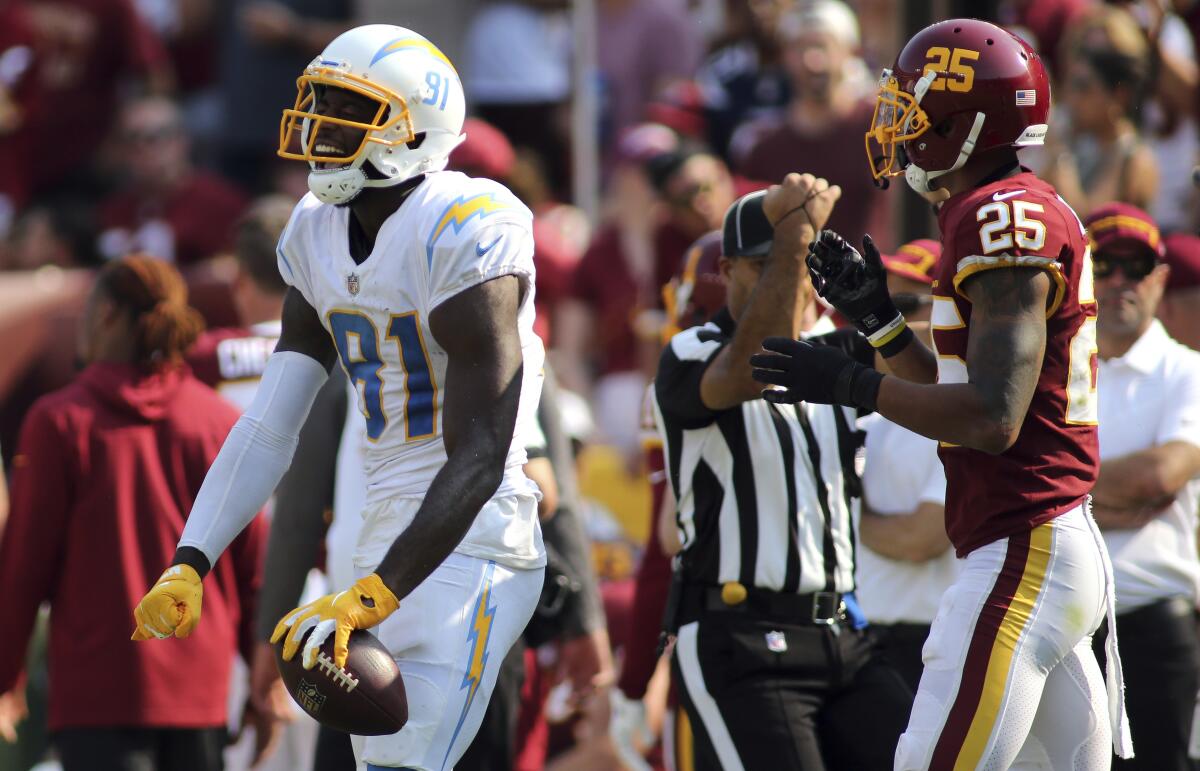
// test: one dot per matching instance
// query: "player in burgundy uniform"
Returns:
(232, 359)
(1009, 389)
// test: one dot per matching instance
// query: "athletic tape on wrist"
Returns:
(887, 332)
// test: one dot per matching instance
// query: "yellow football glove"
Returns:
(361, 606)
(172, 606)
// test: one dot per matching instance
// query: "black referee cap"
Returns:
(747, 232)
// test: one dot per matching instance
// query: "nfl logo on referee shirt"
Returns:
(776, 642)
(352, 284)
(1026, 97)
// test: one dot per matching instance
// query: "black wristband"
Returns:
(857, 386)
(864, 388)
(897, 344)
(192, 557)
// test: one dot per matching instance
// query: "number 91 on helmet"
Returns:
(397, 112)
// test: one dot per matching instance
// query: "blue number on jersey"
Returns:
(420, 401)
(364, 366)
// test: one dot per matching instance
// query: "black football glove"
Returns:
(857, 286)
(818, 374)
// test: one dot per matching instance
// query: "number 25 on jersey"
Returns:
(1008, 223)
(358, 346)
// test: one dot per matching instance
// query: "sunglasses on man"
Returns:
(1135, 267)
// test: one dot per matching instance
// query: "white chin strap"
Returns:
(337, 186)
(341, 186)
(919, 179)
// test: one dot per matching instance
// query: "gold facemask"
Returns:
(302, 124)
(898, 118)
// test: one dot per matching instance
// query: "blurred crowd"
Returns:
(150, 127)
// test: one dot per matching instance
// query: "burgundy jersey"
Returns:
(1020, 221)
(232, 360)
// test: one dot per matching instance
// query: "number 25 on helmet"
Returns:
(959, 88)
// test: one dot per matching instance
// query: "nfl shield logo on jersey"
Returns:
(776, 642)
(352, 283)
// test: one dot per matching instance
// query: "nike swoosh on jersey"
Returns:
(481, 250)
(1006, 196)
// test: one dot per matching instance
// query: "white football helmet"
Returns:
(418, 123)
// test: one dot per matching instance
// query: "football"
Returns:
(365, 698)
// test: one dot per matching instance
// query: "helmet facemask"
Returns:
(337, 174)
(898, 118)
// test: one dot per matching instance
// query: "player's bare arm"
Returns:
(301, 332)
(478, 330)
(915, 363)
(917, 536)
(797, 208)
(1004, 361)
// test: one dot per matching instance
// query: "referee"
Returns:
(770, 669)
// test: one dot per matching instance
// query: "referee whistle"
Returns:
(733, 593)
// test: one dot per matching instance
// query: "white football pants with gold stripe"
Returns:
(449, 638)
(1010, 679)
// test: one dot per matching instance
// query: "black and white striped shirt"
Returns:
(760, 489)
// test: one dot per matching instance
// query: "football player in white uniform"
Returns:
(420, 281)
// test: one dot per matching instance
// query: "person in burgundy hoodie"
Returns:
(105, 473)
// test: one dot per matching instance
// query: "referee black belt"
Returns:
(818, 608)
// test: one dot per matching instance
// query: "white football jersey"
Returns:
(453, 232)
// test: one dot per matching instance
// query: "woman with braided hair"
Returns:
(105, 473)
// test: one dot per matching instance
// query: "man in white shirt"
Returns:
(1147, 492)
(905, 563)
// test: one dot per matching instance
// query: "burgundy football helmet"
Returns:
(697, 291)
(959, 88)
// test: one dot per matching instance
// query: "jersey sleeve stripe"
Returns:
(283, 260)
(969, 266)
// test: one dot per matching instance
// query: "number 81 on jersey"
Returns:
(358, 346)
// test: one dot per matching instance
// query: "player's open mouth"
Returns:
(330, 151)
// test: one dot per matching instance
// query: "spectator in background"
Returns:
(264, 44)
(1104, 157)
(905, 564)
(18, 89)
(105, 472)
(743, 78)
(165, 206)
(188, 30)
(822, 127)
(61, 235)
(1042, 24)
(643, 47)
(1147, 494)
(611, 324)
(1179, 310)
(1168, 122)
(84, 52)
(523, 87)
